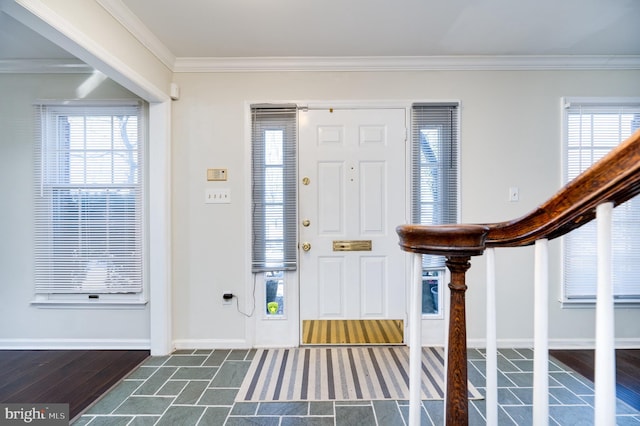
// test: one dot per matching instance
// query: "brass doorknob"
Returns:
(306, 246)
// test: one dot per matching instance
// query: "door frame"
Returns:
(263, 330)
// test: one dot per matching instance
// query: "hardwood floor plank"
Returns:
(627, 370)
(76, 378)
(35, 368)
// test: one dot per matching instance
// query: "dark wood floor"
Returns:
(74, 377)
(80, 377)
(627, 370)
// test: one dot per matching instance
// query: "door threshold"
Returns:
(353, 332)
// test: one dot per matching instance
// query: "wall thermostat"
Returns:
(216, 174)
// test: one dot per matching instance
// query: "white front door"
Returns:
(352, 195)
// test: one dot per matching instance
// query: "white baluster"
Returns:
(415, 341)
(541, 335)
(605, 368)
(492, 345)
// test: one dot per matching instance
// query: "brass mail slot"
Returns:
(352, 245)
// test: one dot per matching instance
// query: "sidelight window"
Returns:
(274, 227)
(434, 184)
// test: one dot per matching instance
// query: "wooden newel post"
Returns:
(457, 412)
(457, 243)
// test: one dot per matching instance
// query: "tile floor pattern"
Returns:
(198, 387)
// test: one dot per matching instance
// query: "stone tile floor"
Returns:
(198, 387)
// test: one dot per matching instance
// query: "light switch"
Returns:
(514, 194)
(217, 196)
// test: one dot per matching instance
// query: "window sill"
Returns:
(591, 304)
(61, 301)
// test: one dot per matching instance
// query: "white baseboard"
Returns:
(211, 344)
(621, 343)
(144, 344)
(78, 344)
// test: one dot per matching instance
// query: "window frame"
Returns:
(591, 104)
(281, 118)
(133, 297)
(446, 119)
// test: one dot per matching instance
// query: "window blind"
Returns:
(274, 140)
(593, 128)
(89, 185)
(434, 165)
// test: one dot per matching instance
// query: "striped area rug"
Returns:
(341, 374)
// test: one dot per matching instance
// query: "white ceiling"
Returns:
(19, 42)
(177, 31)
(350, 28)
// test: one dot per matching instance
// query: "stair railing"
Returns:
(608, 183)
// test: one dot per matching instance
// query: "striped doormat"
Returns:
(352, 332)
(341, 374)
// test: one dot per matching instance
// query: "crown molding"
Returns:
(440, 63)
(139, 30)
(44, 66)
(408, 63)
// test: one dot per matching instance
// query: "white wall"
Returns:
(510, 136)
(23, 325)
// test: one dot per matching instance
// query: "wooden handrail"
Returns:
(615, 178)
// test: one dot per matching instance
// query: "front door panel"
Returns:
(353, 198)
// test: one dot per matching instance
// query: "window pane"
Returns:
(274, 292)
(274, 225)
(98, 167)
(89, 204)
(593, 129)
(273, 147)
(434, 184)
(125, 135)
(99, 132)
(274, 185)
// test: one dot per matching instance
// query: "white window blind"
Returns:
(89, 185)
(274, 140)
(434, 167)
(592, 128)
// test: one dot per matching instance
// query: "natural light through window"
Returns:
(89, 200)
(592, 129)
(274, 196)
(274, 225)
(434, 198)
